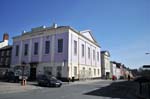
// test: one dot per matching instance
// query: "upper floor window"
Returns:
(93, 54)
(17, 50)
(82, 50)
(47, 47)
(75, 47)
(36, 48)
(88, 52)
(60, 45)
(97, 56)
(26, 49)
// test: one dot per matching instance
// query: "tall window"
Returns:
(94, 71)
(48, 70)
(36, 48)
(17, 50)
(98, 71)
(75, 71)
(25, 49)
(75, 47)
(59, 71)
(82, 50)
(97, 56)
(47, 47)
(90, 73)
(88, 52)
(60, 45)
(93, 54)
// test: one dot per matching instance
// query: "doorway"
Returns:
(33, 67)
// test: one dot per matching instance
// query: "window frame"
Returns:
(60, 45)
(47, 47)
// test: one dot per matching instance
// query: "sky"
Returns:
(120, 26)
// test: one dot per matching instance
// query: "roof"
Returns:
(6, 47)
(87, 34)
(106, 52)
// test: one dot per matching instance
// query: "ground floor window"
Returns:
(48, 70)
(90, 73)
(75, 71)
(98, 71)
(94, 72)
(59, 69)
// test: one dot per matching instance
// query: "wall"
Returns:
(80, 61)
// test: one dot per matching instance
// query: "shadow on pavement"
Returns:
(123, 89)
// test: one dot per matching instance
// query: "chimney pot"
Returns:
(5, 36)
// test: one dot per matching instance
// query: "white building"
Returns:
(5, 40)
(113, 69)
(105, 64)
(58, 50)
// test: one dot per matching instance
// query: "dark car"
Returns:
(47, 80)
(10, 77)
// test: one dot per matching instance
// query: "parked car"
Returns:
(47, 80)
(10, 77)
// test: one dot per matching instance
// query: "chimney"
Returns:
(54, 25)
(5, 36)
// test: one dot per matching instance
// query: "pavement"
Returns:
(6, 87)
(87, 89)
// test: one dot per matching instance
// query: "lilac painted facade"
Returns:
(80, 56)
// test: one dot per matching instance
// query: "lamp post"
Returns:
(23, 83)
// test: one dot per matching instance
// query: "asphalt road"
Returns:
(68, 91)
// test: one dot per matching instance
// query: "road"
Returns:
(81, 90)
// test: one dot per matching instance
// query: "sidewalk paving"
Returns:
(6, 87)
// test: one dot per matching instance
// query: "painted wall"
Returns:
(79, 61)
(3, 43)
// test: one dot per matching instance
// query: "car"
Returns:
(48, 80)
(10, 77)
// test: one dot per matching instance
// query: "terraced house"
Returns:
(57, 50)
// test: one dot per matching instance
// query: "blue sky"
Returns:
(120, 26)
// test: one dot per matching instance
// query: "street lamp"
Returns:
(147, 53)
(23, 69)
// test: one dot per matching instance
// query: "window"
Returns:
(59, 69)
(35, 48)
(94, 72)
(8, 53)
(6, 61)
(75, 47)
(90, 73)
(60, 45)
(82, 50)
(97, 56)
(98, 71)
(83, 71)
(47, 47)
(48, 70)
(93, 54)
(3, 53)
(17, 50)
(25, 49)
(88, 52)
(75, 71)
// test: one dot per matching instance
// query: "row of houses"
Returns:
(61, 51)
(113, 68)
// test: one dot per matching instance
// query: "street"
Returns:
(76, 90)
